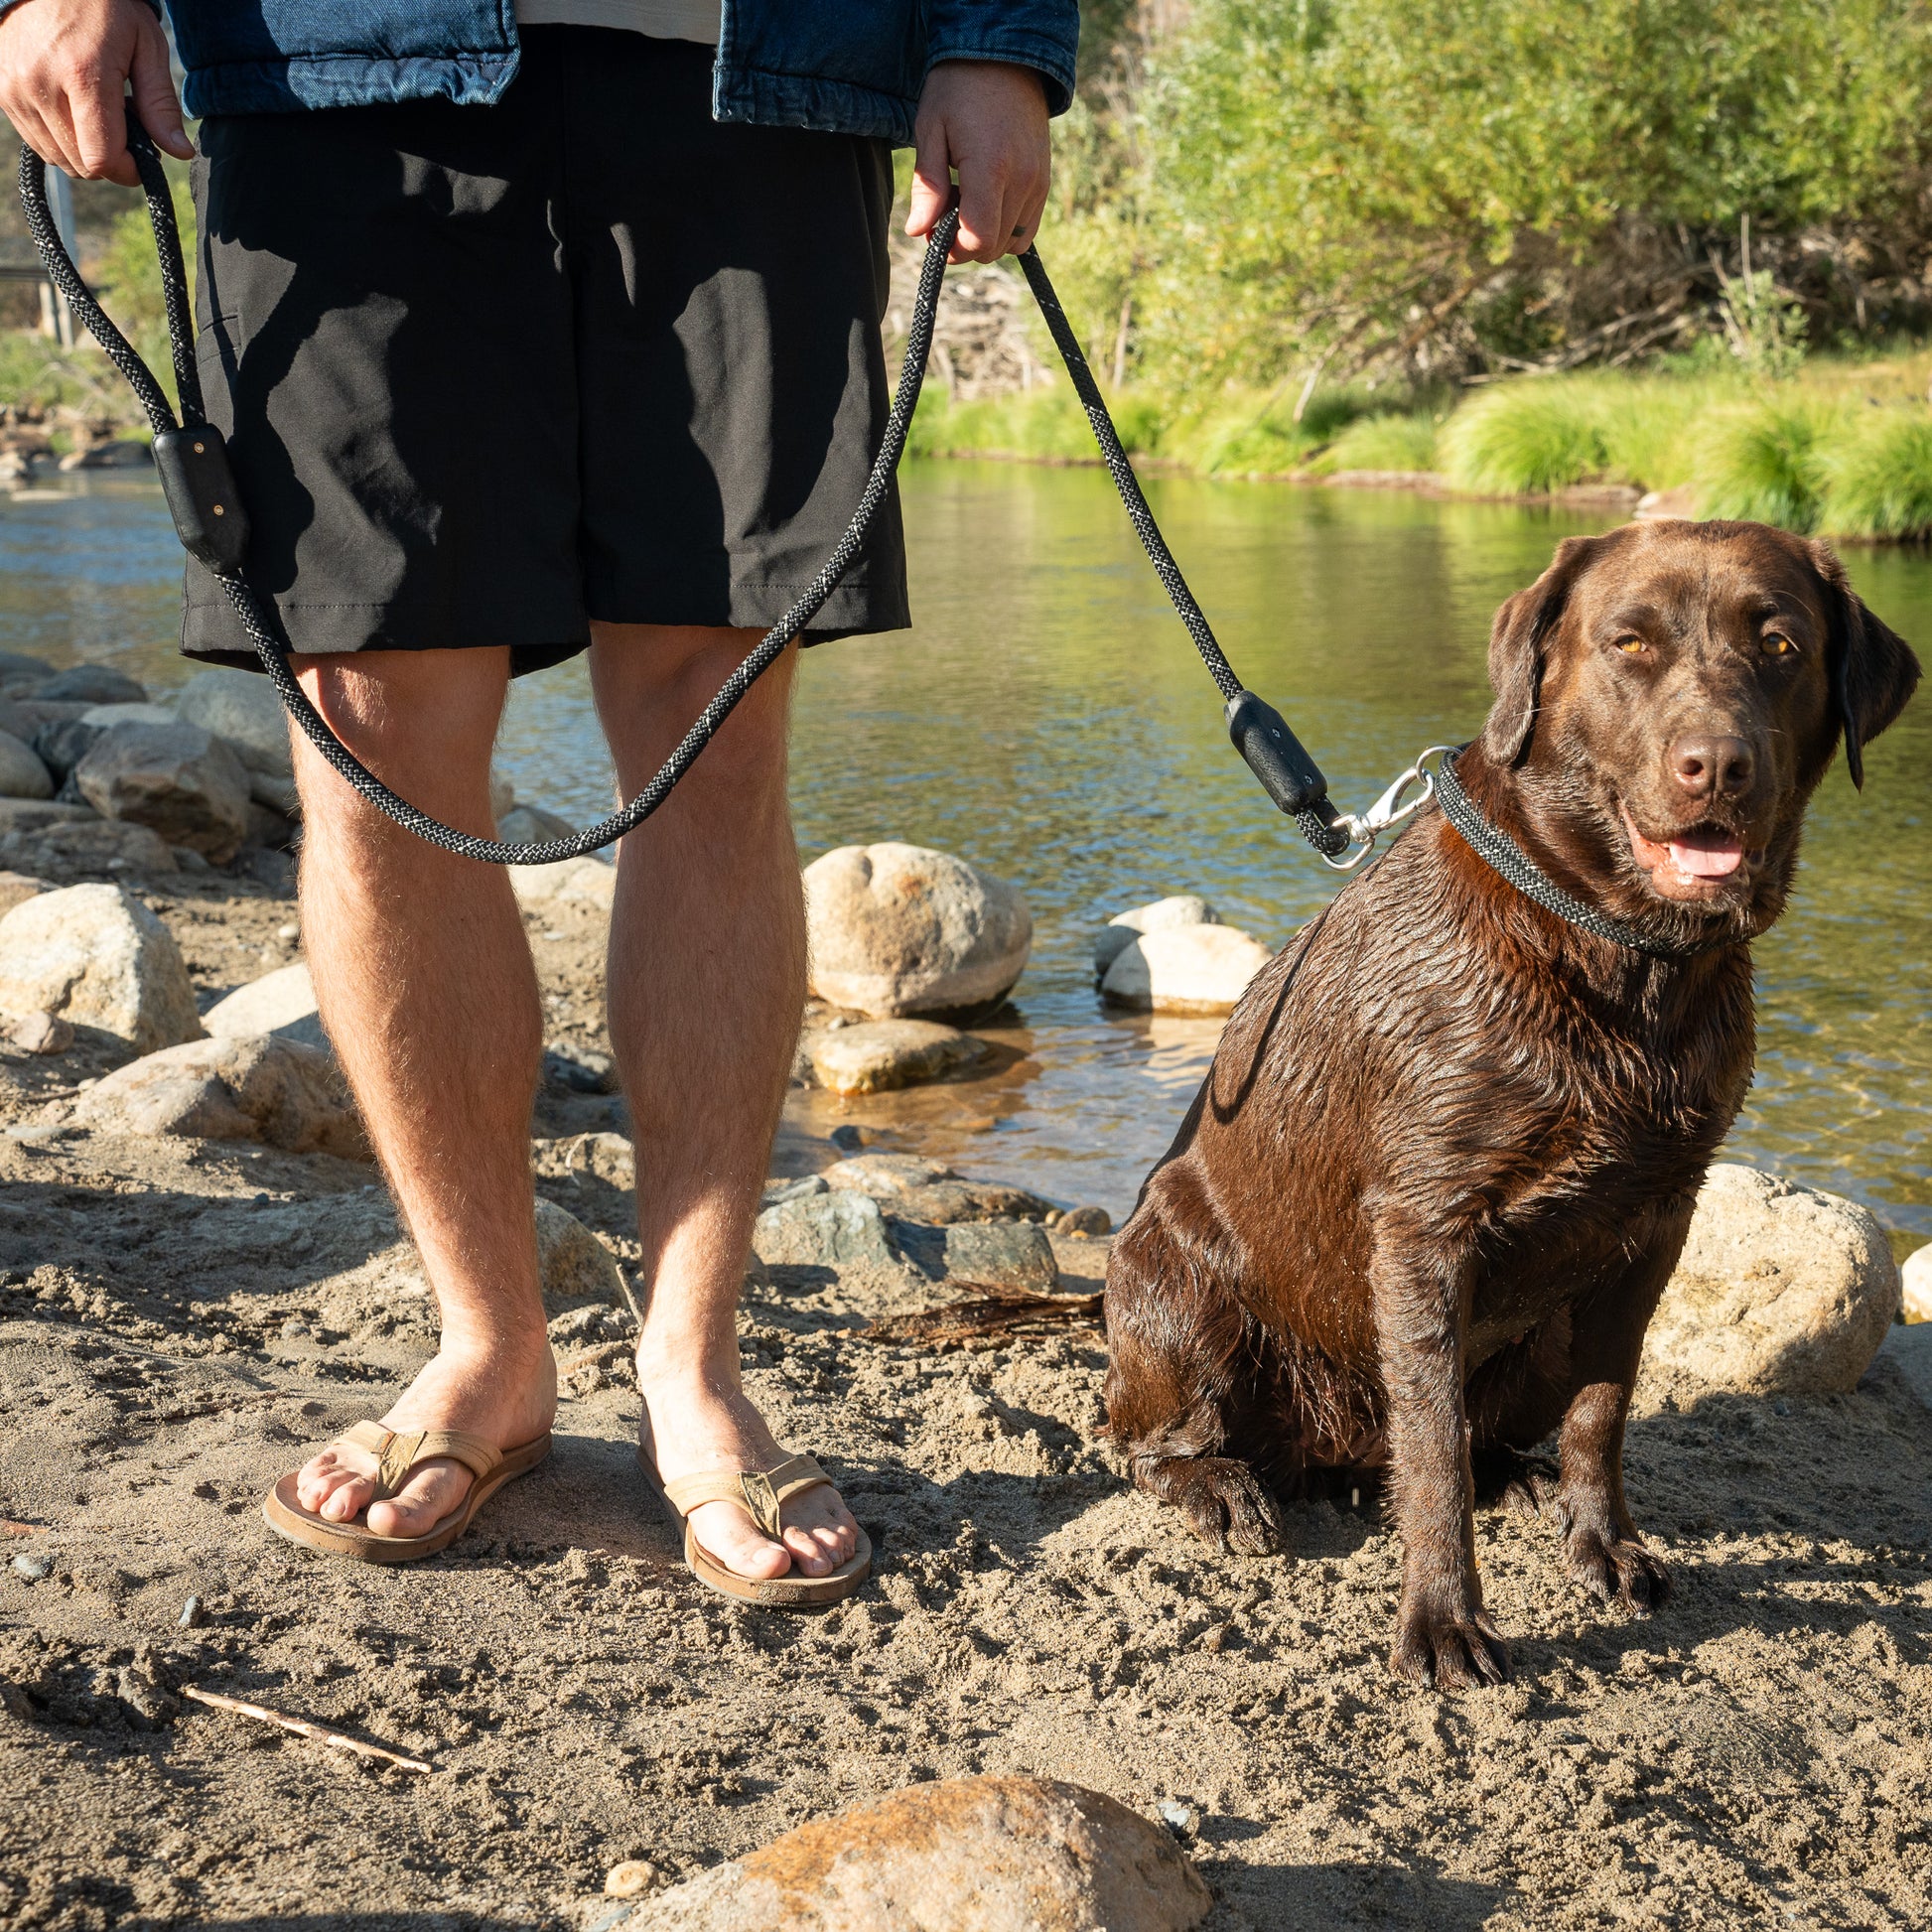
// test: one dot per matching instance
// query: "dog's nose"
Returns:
(1710, 767)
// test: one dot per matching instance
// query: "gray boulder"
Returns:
(89, 684)
(829, 1230)
(878, 1055)
(917, 1189)
(245, 1087)
(966, 1855)
(22, 774)
(63, 743)
(897, 930)
(97, 957)
(1120, 932)
(20, 673)
(1001, 1254)
(1781, 1290)
(84, 844)
(104, 717)
(181, 781)
(282, 1003)
(242, 708)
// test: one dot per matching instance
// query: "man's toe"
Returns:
(730, 1537)
(343, 1497)
(430, 1494)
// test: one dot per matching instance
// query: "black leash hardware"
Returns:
(212, 525)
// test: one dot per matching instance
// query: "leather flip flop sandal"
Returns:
(762, 1495)
(398, 1452)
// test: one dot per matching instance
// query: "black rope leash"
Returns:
(212, 523)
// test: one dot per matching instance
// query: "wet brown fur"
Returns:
(1424, 1205)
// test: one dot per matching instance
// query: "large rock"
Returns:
(104, 717)
(1915, 1278)
(1120, 932)
(18, 671)
(829, 1230)
(575, 1267)
(583, 882)
(282, 1003)
(878, 1055)
(83, 844)
(178, 779)
(900, 929)
(1780, 1290)
(917, 1189)
(245, 1087)
(22, 774)
(62, 744)
(89, 684)
(244, 710)
(969, 1854)
(997, 1253)
(532, 825)
(1197, 969)
(17, 888)
(97, 957)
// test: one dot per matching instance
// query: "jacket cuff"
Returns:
(1049, 57)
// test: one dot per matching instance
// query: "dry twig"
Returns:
(301, 1728)
(993, 1313)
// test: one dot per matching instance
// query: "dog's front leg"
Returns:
(1443, 1634)
(1600, 1542)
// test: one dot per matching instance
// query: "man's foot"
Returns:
(695, 1423)
(507, 1397)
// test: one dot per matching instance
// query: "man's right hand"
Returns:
(65, 65)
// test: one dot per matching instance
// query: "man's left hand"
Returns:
(987, 120)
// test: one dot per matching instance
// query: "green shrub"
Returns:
(1762, 465)
(1525, 439)
(1383, 443)
(1879, 480)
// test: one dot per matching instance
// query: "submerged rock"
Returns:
(245, 1087)
(1163, 914)
(878, 1055)
(22, 773)
(829, 1230)
(97, 957)
(178, 779)
(1197, 969)
(967, 1855)
(282, 1003)
(895, 931)
(1781, 1290)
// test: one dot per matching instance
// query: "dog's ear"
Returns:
(1516, 644)
(1873, 668)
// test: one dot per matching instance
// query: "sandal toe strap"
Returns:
(760, 1494)
(398, 1450)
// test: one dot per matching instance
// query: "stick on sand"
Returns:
(304, 1728)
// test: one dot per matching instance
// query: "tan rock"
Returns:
(1915, 1280)
(574, 1266)
(895, 931)
(246, 1087)
(40, 1032)
(878, 1055)
(1177, 909)
(97, 957)
(1190, 969)
(180, 780)
(282, 1003)
(588, 882)
(970, 1855)
(16, 887)
(1781, 1290)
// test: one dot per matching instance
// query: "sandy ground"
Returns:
(176, 1319)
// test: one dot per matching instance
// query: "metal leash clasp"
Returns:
(1391, 808)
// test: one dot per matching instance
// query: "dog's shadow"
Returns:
(1288, 1896)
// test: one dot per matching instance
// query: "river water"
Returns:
(1048, 717)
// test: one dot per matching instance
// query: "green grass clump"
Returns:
(1525, 439)
(1878, 482)
(1762, 464)
(1048, 426)
(1383, 443)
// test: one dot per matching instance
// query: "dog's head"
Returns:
(1669, 695)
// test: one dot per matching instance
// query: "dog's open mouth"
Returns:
(1692, 864)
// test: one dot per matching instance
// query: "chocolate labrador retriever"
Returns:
(1443, 1162)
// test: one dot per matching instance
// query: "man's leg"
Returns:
(427, 989)
(707, 982)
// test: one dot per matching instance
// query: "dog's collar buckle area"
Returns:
(1396, 804)
(1504, 857)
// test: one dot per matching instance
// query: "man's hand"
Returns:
(988, 120)
(63, 67)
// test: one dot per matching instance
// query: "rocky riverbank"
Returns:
(199, 1275)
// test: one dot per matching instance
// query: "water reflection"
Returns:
(1048, 719)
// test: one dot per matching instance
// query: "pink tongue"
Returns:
(1708, 854)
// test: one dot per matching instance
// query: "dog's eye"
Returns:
(1779, 645)
(1631, 647)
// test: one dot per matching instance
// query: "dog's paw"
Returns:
(1524, 1485)
(1223, 1501)
(1617, 1570)
(1453, 1651)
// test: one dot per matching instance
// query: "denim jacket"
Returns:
(850, 66)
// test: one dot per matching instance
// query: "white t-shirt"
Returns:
(663, 19)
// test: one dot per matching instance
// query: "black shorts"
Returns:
(492, 372)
